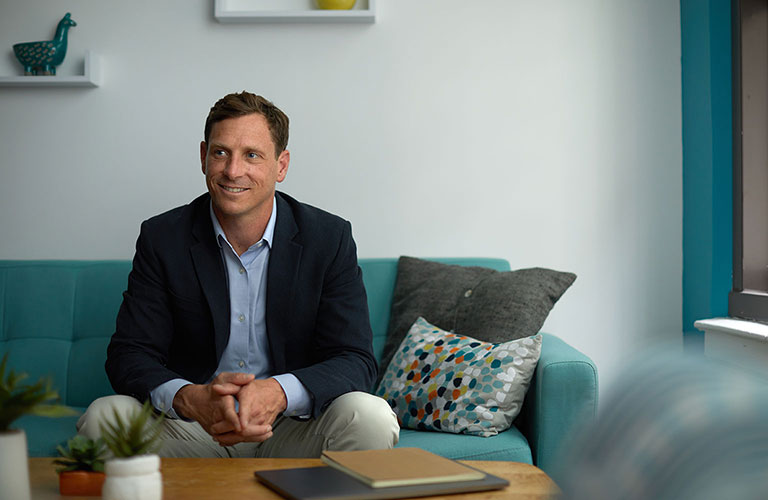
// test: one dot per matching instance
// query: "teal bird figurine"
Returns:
(41, 58)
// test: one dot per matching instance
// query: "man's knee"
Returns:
(368, 422)
(103, 410)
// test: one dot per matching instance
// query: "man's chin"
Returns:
(227, 208)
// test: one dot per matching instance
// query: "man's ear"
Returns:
(203, 153)
(282, 165)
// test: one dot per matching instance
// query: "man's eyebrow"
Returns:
(218, 145)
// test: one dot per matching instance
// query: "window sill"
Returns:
(735, 340)
(740, 327)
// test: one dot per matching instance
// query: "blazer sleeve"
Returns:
(342, 339)
(138, 352)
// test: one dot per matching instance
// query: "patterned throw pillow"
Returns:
(444, 381)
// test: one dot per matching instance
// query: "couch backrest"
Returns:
(56, 317)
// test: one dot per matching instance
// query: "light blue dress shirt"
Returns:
(248, 347)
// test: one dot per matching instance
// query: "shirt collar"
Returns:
(269, 231)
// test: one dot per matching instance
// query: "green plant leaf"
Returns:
(45, 410)
(82, 453)
(35, 399)
(137, 435)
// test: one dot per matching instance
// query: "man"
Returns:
(246, 308)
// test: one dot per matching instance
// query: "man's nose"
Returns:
(235, 167)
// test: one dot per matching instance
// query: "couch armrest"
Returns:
(561, 398)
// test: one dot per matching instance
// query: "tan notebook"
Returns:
(399, 467)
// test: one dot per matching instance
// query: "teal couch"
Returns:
(57, 318)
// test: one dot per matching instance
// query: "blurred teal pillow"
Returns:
(674, 425)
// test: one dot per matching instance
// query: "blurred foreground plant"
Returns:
(139, 435)
(17, 399)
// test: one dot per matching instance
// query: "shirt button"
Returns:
(241, 364)
(468, 293)
(241, 318)
(242, 270)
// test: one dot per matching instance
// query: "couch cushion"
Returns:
(509, 445)
(479, 302)
(87, 379)
(44, 434)
(38, 358)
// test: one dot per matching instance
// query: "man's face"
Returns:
(241, 169)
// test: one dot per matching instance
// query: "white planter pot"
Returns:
(14, 467)
(133, 479)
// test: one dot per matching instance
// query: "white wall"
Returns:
(547, 133)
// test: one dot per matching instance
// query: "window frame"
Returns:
(746, 304)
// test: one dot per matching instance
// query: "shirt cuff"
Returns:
(298, 399)
(162, 396)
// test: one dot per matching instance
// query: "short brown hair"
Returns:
(245, 103)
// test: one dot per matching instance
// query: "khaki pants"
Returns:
(353, 421)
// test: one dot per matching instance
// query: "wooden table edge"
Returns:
(209, 477)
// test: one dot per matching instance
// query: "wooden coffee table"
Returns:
(192, 478)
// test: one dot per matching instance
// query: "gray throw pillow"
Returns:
(492, 306)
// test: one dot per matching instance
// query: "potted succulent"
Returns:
(17, 399)
(81, 466)
(134, 473)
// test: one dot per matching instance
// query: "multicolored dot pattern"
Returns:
(444, 381)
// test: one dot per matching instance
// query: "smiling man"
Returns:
(245, 317)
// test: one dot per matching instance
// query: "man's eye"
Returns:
(219, 152)
(252, 155)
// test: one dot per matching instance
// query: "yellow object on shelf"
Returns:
(336, 4)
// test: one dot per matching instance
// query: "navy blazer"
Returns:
(174, 319)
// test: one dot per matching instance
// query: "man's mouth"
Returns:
(233, 189)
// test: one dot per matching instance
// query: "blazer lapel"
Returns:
(209, 267)
(282, 274)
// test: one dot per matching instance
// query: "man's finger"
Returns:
(221, 427)
(246, 403)
(257, 434)
(229, 413)
(226, 389)
(255, 431)
(236, 378)
(228, 439)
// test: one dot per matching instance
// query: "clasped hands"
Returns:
(213, 406)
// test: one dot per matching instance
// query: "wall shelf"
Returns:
(287, 11)
(90, 78)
